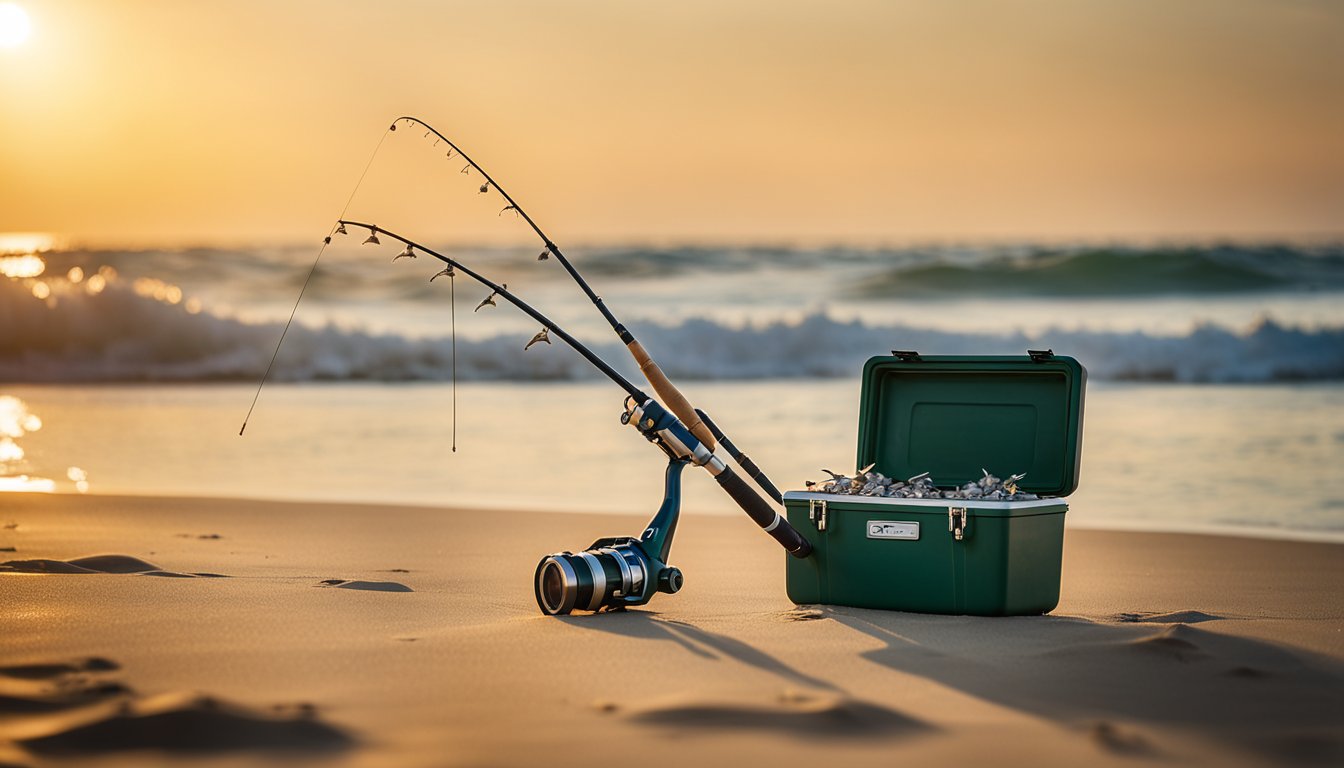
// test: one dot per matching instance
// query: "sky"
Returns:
(169, 122)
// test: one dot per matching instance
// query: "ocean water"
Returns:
(1207, 314)
(1215, 401)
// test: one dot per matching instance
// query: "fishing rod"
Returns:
(695, 420)
(623, 571)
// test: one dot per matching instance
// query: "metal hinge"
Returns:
(958, 521)
(1041, 355)
(907, 356)
(816, 512)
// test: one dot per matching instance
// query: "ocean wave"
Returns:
(913, 271)
(1119, 272)
(141, 332)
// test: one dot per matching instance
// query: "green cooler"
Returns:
(951, 417)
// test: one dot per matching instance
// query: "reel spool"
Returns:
(612, 573)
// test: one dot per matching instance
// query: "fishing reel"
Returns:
(617, 572)
(613, 573)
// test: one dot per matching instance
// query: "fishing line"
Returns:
(311, 270)
(452, 313)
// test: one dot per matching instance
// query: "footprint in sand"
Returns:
(1171, 617)
(122, 564)
(370, 586)
(802, 613)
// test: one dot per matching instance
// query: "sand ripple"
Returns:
(191, 724)
(56, 669)
(96, 564)
(793, 714)
(35, 689)
(100, 716)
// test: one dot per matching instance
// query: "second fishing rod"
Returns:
(696, 420)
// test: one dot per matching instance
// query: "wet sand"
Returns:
(141, 631)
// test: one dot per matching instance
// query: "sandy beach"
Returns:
(322, 324)
(223, 632)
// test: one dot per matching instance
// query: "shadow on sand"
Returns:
(820, 711)
(648, 625)
(1263, 696)
(1285, 703)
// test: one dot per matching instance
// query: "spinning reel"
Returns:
(616, 572)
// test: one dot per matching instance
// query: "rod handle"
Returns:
(670, 395)
(763, 514)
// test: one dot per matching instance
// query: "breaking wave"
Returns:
(125, 334)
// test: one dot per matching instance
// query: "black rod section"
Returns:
(743, 461)
(625, 335)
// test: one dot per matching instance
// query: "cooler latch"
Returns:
(816, 512)
(958, 521)
(1041, 355)
(907, 355)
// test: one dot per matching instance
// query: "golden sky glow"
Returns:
(140, 121)
(14, 25)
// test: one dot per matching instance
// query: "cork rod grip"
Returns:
(671, 396)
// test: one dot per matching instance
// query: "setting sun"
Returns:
(14, 26)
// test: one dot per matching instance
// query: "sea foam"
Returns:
(126, 333)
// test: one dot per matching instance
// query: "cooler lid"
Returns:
(953, 415)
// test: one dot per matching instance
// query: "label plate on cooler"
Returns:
(890, 529)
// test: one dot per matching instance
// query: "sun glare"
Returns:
(14, 26)
(22, 266)
(25, 242)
